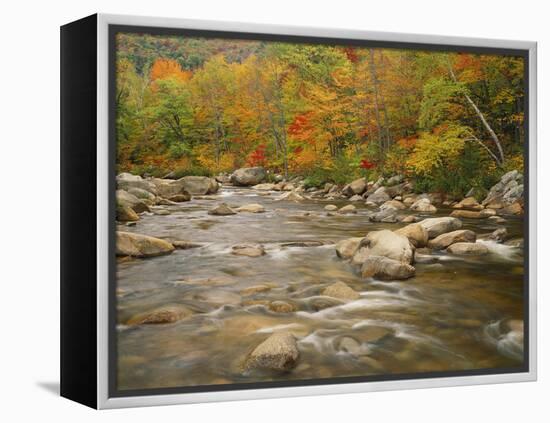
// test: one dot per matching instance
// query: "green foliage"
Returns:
(194, 170)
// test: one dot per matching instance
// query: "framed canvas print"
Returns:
(253, 211)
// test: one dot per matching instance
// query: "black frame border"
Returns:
(113, 29)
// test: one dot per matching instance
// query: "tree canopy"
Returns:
(331, 113)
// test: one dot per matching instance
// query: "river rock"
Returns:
(199, 185)
(393, 204)
(499, 235)
(185, 245)
(248, 176)
(388, 215)
(126, 214)
(356, 197)
(180, 198)
(137, 245)
(222, 210)
(143, 195)
(378, 197)
(409, 199)
(385, 268)
(423, 205)
(161, 315)
(415, 233)
(248, 250)
(290, 196)
(409, 219)
(251, 208)
(125, 199)
(394, 180)
(282, 307)
(384, 243)
(256, 289)
(279, 352)
(350, 208)
(165, 202)
(468, 203)
(161, 212)
(265, 187)
(440, 225)
(346, 248)
(444, 240)
(341, 291)
(215, 297)
(487, 212)
(507, 191)
(356, 187)
(514, 209)
(496, 219)
(468, 214)
(222, 178)
(468, 248)
(168, 188)
(516, 243)
(126, 181)
(331, 207)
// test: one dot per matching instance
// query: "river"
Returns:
(445, 318)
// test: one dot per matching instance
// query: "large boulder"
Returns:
(248, 176)
(468, 248)
(346, 248)
(378, 197)
(356, 187)
(146, 196)
(279, 352)
(440, 225)
(137, 245)
(126, 181)
(384, 243)
(167, 188)
(444, 240)
(385, 268)
(507, 191)
(125, 199)
(198, 185)
(165, 314)
(341, 291)
(415, 233)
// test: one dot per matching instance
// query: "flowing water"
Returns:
(445, 318)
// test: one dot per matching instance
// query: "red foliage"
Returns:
(365, 164)
(351, 54)
(299, 124)
(258, 157)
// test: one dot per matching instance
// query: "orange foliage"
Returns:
(408, 143)
(168, 68)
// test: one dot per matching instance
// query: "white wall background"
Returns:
(29, 236)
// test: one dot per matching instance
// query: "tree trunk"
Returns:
(483, 120)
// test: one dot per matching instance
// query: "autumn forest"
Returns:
(197, 106)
